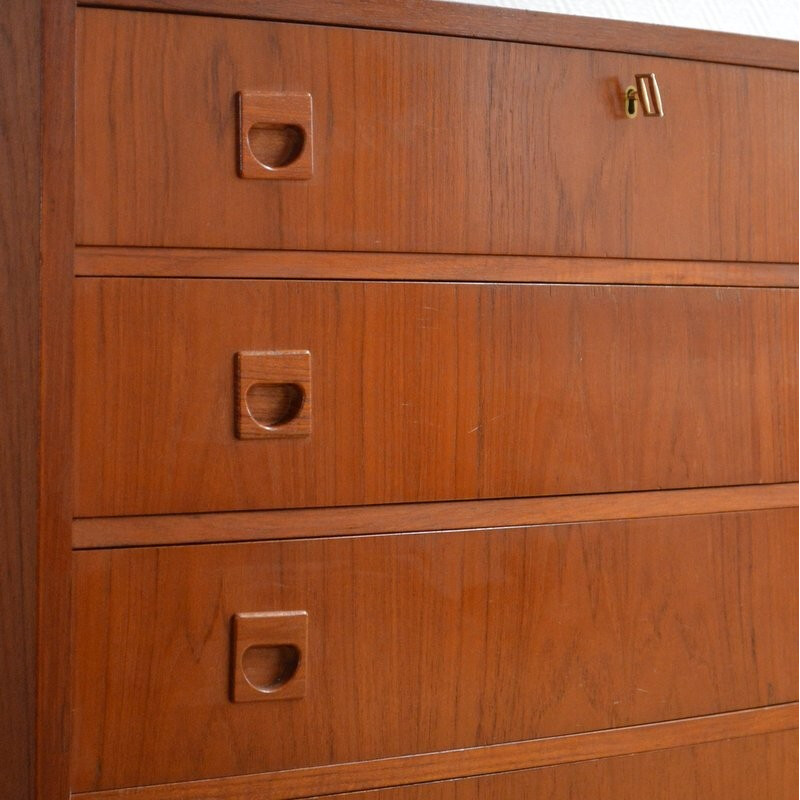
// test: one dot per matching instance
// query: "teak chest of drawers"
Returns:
(398, 399)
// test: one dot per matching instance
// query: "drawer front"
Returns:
(737, 769)
(424, 144)
(413, 643)
(422, 392)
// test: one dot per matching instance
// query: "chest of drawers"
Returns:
(389, 410)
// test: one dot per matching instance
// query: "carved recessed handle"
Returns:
(268, 656)
(273, 394)
(275, 136)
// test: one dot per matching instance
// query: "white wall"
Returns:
(776, 18)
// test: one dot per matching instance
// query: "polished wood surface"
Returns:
(698, 608)
(36, 245)
(479, 761)
(19, 399)
(269, 656)
(56, 381)
(146, 262)
(471, 20)
(429, 642)
(430, 392)
(273, 394)
(428, 144)
(739, 769)
(405, 517)
(276, 135)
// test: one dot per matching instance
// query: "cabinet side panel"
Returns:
(55, 387)
(36, 240)
(20, 177)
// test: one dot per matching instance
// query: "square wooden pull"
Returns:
(273, 394)
(268, 656)
(275, 136)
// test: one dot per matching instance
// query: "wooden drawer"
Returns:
(428, 642)
(425, 144)
(738, 766)
(425, 391)
(739, 769)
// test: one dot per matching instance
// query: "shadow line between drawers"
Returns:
(237, 526)
(469, 762)
(146, 262)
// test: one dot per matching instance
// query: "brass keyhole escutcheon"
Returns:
(630, 102)
(645, 93)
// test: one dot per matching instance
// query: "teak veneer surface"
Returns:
(36, 246)
(413, 153)
(352, 520)
(430, 391)
(477, 761)
(148, 262)
(473, 20)
(19, 349)
(428, 144)
(737, 769)
(429, 642)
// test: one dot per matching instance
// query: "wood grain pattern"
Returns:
(721, 635)
(477, 761)
(55, 503)
(36, 245)
(273, 394)
(20, 174)
(352, 520)
(738, 769)
(458, 19)
(429, 392)
(429, 642)
(428, 144)
(276, 136)
(145, 262)
(269, 658)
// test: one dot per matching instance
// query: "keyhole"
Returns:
(630, 103)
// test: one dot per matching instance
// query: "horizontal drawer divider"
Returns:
(294, 264)
(168, 529)
(404, 770)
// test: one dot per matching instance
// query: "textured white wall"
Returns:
(777, 18)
